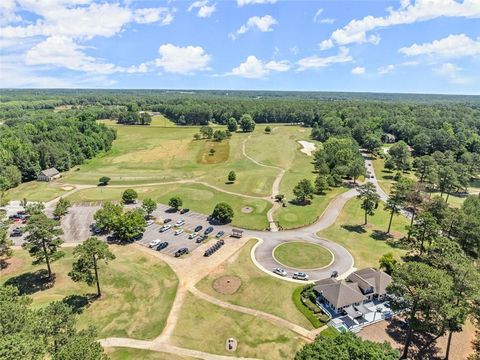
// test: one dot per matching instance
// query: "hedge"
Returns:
(297, 300)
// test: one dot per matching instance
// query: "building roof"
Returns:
(49, 172)
(342, 293)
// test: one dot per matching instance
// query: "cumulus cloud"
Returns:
(263, 24)
(151, 15)
(387, 69)
(254, 68)
(453, 73)
(313, 62)
(356, 31)
(359, 70)
(205, 9)
(253, 2)
(182, 60)
(453, 46)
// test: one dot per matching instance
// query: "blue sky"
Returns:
(425, 46)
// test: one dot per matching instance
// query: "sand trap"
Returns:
(247, 210)
(68, 188)
(308, 147)
(227, 285)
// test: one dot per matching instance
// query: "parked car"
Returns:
(184, 211)
(280, 271)
(178, 231)
(16, 232)
(220, 234)
(166, 221)
(300, 276)
(150, 222)
(154, 243)
(161, 246)
(193, 235)
(181, 251)
(201, 239)
(208, 230)
(165, 228)
(334, 274)
(180, 223)
(198, 228)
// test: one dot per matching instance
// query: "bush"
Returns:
(129, 196)
(297, 300)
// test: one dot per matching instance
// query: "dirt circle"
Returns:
(227, 285)
(247, 210)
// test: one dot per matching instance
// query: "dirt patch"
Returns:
(12, 265)
(67, 188)
(247, 210)
(227, 285)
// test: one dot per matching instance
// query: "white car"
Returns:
(150, 222)
(178, 231)
(193, 235)
(154, 243)
(180, 223)
(280, 271)
(165, 228)
(300, 276)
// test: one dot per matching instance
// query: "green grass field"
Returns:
(366, 244)
(258, 290)
(36, 191)
(197, 197)
(206, 327)
(138, 354)
(302, 255)
(138, 291)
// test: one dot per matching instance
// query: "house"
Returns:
(49, 175)
(349, 295)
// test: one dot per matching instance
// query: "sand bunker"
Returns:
(308, 147)
(227, 285)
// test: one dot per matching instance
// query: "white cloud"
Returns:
(264, 24)
(326, 44)
(204, 8)
(317, 18)
(61, 51)
(453, 46)
(383, 70)
(356, 31)
(453, 73)
(253, 2)
(182, 60)
(254, 68)
(152, 15)
(321, 62)
(294, 50)
(8, 12)
(358, 70)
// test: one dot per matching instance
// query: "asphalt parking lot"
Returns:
(175, 242)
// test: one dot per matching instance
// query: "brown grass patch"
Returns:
(13, 264)
(222, 152)
(227, 285)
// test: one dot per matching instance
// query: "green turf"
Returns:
(258, 290)
(138, 292)
(138, 354)
(36, 191)
(206, 327)
(366, 244)
(197, 197)
(302, 255)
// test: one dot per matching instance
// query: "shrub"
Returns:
(309, 314)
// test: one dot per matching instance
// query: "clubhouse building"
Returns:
(356, 301)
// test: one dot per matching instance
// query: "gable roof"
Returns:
(379, 279)
(49, 172)
(340, 293)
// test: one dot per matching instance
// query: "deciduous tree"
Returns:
(370, 198)
(223, 213)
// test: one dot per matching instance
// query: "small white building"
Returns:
(49, 175)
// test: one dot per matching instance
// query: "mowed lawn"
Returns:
(258, 290)
(145, 155)
(196, 197)
(138, 291)
(37, 191)
(302, 255)
(366, 244)
(206, 327)
(138, 354)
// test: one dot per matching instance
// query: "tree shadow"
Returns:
(359, 229)
(380, 235)
(79, 302)
(32, 282)
(300, 203)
